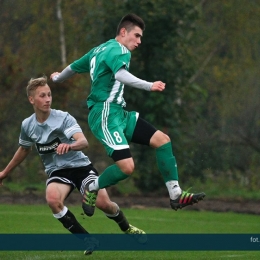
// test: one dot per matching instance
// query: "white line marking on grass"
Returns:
(232, 256)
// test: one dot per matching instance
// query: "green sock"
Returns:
(166, 162)
(111, 176)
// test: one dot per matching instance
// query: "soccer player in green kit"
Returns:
(108, 65)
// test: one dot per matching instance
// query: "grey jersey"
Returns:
(58, 128)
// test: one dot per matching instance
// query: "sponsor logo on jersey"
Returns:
(49, 147)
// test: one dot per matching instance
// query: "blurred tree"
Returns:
(205, 51)
(228, 127)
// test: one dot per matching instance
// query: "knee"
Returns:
(165, 138)
(159, 139)
(54, 203)
(128, 170)
(127, 167)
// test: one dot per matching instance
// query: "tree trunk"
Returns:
(62, 37)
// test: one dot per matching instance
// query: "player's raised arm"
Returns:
(62, 76)
(129, 79)
(18, 157)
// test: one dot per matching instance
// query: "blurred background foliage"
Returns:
(207, 52)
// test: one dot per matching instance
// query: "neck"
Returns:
(42, 116)
(118, 38)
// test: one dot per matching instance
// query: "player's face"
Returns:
(132, 39)
(41, 100)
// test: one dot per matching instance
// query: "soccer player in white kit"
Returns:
(59, 140)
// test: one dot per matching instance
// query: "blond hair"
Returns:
(33, 84)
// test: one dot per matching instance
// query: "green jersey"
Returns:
(102, 63)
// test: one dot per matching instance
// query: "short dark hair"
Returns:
(129, 21)
(33, 84)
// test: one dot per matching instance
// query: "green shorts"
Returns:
(112, 125)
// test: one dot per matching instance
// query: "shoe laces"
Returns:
(186, 192)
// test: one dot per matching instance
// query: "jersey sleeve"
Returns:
(24, 139)
(70, 126)
(82, 64)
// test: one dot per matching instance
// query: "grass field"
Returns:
(37, 219)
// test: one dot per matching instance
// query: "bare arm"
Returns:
(18, 157)
(80, 144)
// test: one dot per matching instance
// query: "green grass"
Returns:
(16, 219)
(216, 187)
(132, 255)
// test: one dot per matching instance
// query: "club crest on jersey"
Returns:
(49, 147)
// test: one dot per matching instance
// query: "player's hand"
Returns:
(63, 148)
(2, 176)
(158, 86)
(54, 75)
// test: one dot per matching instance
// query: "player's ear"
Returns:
(31, 100)
(123, 32)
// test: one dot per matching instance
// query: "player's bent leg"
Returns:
(126, 165)
(56, 194)
(123, 167)
(111, 176)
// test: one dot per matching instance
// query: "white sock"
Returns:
(173, 189)
(61, 213)
(94, 185)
